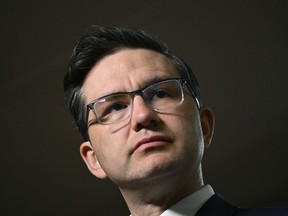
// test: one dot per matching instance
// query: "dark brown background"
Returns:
(238, 50)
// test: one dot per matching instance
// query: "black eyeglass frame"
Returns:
(140, 91)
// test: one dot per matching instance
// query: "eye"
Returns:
(159, 94)
(116, 107)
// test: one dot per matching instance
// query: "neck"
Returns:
(153, 198)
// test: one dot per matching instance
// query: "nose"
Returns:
(143, 116)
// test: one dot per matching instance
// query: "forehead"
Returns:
(126, 70)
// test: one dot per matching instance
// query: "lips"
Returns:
(150, 143)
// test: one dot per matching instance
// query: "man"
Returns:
(138, 108)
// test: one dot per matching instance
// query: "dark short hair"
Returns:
(99, 42)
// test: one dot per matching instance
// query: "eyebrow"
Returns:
(156, 79)
(146, 83)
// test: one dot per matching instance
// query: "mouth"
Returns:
(149, 143)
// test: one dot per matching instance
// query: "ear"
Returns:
(207, 124)
(89, 157)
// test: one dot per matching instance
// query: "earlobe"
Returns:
(89, 157)
(207, 124)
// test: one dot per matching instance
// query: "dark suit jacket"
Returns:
(217, 206)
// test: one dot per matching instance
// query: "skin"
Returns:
(167, 166)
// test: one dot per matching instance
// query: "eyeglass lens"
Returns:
(159, 96)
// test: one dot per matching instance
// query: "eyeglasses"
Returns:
(159, 96)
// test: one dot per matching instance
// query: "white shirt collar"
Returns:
(189, 205)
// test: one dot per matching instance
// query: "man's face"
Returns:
(149, 145)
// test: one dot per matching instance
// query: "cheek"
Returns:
(189, 129)
(107, 145)
(111, 153)
(99, 141)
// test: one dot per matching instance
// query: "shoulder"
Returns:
(273, 211)
(217, 206)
